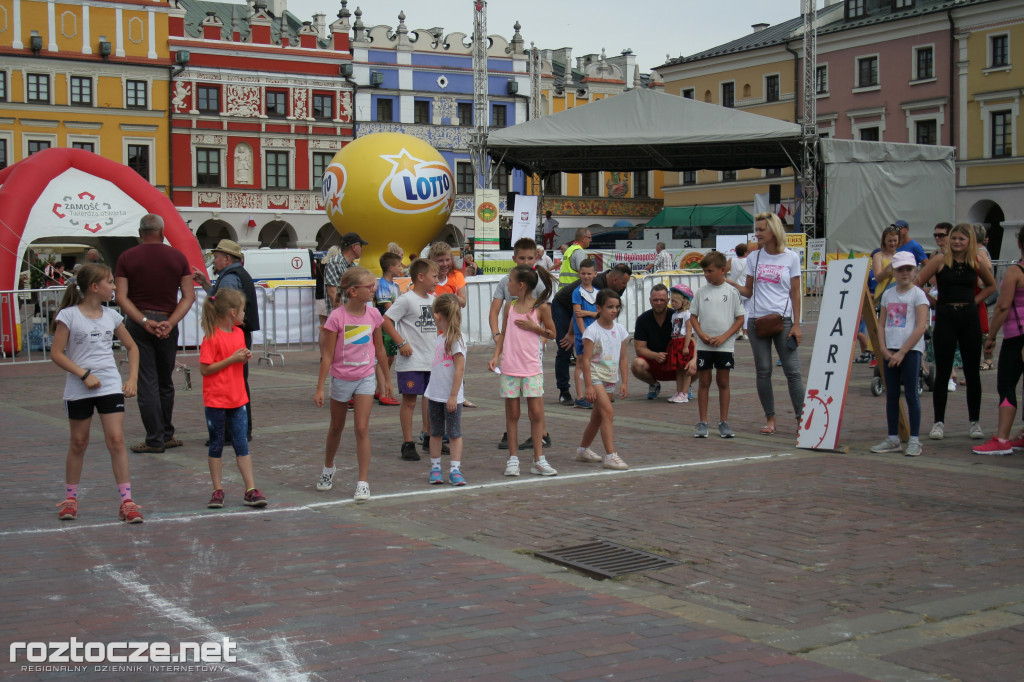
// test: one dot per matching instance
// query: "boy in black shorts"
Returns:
(717, 316)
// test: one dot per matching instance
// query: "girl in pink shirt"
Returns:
(527, 323)
(353, 334)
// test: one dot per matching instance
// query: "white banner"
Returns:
(524, 218)
(834, 343)
(486, 219)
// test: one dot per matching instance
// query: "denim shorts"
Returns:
(342, 390)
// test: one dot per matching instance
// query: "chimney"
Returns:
(759, 27)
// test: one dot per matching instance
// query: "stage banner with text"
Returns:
(832, 355)
(485, 221)
(524, 217)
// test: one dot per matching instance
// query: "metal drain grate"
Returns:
(603, 559)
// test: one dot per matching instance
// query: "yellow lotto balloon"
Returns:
(389, 187)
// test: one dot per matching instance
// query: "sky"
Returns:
(651, 28)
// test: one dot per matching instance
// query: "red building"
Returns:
(259, 107)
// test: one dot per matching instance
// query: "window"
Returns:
(1002, 134)
(867, 72)
(553, 184)
(821, 80)
(499, 116)
(926, 132)
(136, 95)
(38, 88)
(689, 177)
(855, 8)
(3, 153)
(81, 91)
(999, 50)
(500, 180)
(208, 99)
(902, 4)
(728, 176)
(869, 134)
(464, 181)
(3, 90)
(87, 146)
(277, 104)
(640, 185)
(138, 159)
(421, 111)
(323, 107)
(689, 93)
(773, 172)
(465, 113)
(321, 161)
(385, 111)
(277, 170)
(728, 94)
(207, 167)
(37, 146)
(771, 88)
(924, 63)
(590, 184)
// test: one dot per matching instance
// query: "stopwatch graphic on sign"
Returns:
(815, 422)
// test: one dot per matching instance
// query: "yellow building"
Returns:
(603, 198)
(88, 75)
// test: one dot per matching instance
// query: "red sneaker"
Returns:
(216, 500)
(995, 446)
(384, 400)
(68, 509)
(254, 498)
(1018, 442)
(129, 512)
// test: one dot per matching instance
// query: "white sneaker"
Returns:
(542, 468)
(613, 461)
(679, 398)
(951, 385)
(326, 481)
(938, 431)
(512, 468)
(975, 430)
(362, 492)
(888, 445)
(913, 448)
(587, 455)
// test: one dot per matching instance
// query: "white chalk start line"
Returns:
(189, 517)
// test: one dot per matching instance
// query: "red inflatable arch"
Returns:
(73, 193)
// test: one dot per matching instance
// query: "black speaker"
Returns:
(774, 194)
(510, 200)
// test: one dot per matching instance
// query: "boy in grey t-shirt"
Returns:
(716, 314)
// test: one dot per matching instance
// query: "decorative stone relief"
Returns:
(68, 25)
(300, 103)
(181, 96)
(242, 100)
(345, 102)
(444, 107)
(305, 202)
(323, 144)
(244, 200)
(209, 198)
(136, 30)
(277, 200)
(210, 140)
(279, 142)
(243, 164)
(439, 137)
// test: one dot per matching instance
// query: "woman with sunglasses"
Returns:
(880, 280)
(956, 321)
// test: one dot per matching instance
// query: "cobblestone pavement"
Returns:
(793, 564)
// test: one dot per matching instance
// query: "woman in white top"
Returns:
(772, 284)
(737, 272)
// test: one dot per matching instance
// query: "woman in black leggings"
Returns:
(956, 321)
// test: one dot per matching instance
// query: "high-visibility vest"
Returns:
(567, 275)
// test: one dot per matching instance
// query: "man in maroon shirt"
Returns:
(148, 278)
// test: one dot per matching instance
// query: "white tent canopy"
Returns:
(647, 130)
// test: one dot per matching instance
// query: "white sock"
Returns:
(915, 439)
(435, 463)
(513, 458)
(894, 439)
(330, 470)
(542, 459)
(610, 455)
(581, 450)
(455, 465)
(362, 483)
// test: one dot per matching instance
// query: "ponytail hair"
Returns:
(448, 307)
(88, 274)
(524, 274)
(219, 305)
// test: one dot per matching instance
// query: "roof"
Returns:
(701, 216)
(235, 16)
(644, 129)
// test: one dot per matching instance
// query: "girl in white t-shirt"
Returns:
(353, 334)
(902, 321)
(444, 394)
(84, 331)
(604, 369)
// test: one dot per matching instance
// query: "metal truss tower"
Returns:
(534, 82)
(809, 124)
(478, 139)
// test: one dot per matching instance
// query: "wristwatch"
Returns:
(144, 321)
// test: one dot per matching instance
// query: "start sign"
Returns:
(833, 354)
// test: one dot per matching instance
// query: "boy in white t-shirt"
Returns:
(716, 314)
(410, 324)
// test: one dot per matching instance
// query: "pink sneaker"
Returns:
(995, 446)
(1017, 443)
(679, 398)
(68, 509)
(129, 512)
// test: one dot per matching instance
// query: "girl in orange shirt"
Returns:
(220, 362)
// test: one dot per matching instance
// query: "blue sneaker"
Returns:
(584, 404)
(436, 477)
(655, 390)
(455, 477)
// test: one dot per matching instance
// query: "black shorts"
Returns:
(104, 404)
(706, 359)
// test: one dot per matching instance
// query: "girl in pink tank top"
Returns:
(517, 352)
